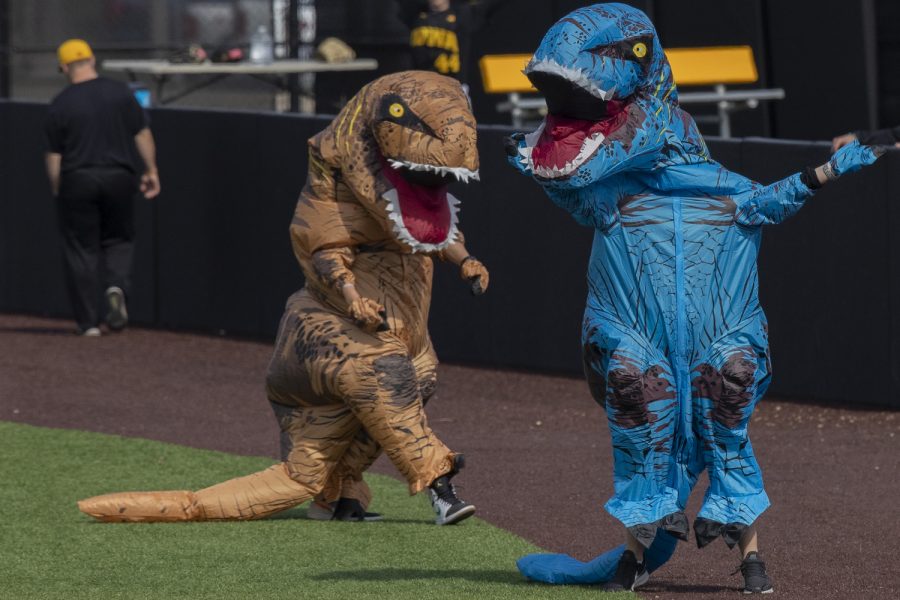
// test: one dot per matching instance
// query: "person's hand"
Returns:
(150, 184)
(368, 314)
(842, 140)
(476, 273)
(514, 145)
(850, 158)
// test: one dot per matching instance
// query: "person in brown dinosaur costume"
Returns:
(353, 364)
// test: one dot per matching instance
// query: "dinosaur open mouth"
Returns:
(577, 123)
(422, 212)
(565, 144)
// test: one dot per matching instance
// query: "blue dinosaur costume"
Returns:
(675, 342)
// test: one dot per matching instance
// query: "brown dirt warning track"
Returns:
(539, 459)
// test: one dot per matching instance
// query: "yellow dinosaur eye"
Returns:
(640, 49)
(396, 109)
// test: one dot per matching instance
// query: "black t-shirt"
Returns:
(93, 124)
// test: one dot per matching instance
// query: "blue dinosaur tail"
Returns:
(563, 569)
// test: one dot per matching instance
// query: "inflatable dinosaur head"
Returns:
(611, 100)
(401, 141)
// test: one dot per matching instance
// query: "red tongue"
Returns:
(425, 210)
(562, 137)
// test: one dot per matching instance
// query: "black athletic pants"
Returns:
(96, 218)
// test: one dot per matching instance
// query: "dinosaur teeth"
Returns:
(579, 77)
(460, 173)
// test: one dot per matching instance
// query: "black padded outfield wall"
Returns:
(214, 253)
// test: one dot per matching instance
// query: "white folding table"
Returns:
(277, 73)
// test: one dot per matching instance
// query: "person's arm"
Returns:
(55, 136)
(772, 204)
(470, 268)
(146, 147)
(53, 161)
(879, 137)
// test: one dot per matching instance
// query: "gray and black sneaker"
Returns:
(756, 580)
(630, 574)
(448, 508)
(117, 317)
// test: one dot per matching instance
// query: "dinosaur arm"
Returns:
(470, 268)
(333, 266)
(772, 204)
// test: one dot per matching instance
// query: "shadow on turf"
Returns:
(300, 515)
(510, 577)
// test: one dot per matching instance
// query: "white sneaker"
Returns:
(90, 332)
(117, 317)
(320, 511)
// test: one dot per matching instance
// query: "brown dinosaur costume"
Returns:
(353, 363)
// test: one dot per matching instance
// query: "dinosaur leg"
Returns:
(639, 397)
(726, 390)
(346, 481)
(319, 438)
(425, 365)
(382, 389)
(636, 385)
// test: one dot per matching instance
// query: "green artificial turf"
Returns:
(48, 549)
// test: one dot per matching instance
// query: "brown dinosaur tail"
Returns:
(243, 498)
(177, 505)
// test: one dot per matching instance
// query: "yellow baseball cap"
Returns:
(73, 50)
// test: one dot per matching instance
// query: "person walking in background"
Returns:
(440, 33)
(92, 129)
(877, 137)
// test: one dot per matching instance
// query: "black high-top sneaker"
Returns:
(756, 580)
(630, 574)
(448, 508)
(350, 509)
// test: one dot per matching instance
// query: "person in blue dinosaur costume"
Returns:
(675, 342)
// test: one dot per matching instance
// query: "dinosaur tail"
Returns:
(564, 569)
(251, 497)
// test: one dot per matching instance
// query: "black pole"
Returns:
(5, 50)
(293, 36)
(870, 52)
